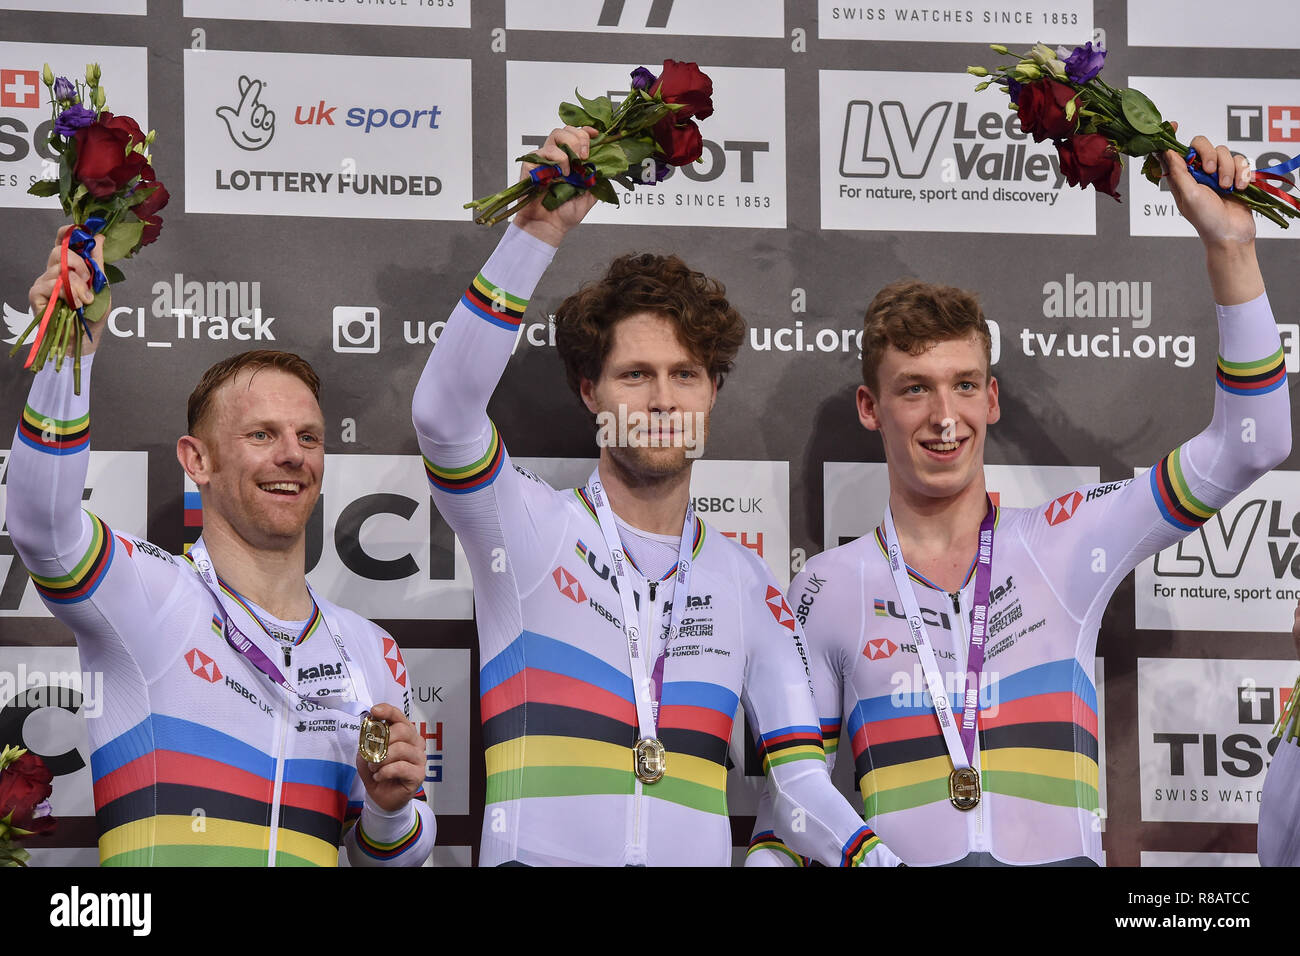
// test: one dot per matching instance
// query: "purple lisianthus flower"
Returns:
(1013, 88)
(1084, 63)
(64, 91)
(75, 117)
(642, 79)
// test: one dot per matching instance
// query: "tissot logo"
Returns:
(250, 123)
(780, 610)
(1257, 124)
(879, 648)
(20, 89)
(1063, 508)
(569, 586)
(203, 666)
(393, 657)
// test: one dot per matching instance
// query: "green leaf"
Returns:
(604, 192)
(609, 159)
(114, 274)
(638, 149)
(624, 181)
(600, 109)
(65, 180)
(1140, 146)
(572, 115)
(121, 238)
(1140, 111)
(44, 187)
(99, 308)
(558, 195)
(530, 158)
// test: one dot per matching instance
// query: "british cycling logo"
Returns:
(250, 123)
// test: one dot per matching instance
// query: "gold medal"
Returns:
(374, 739)
(649, 759)
(964, 788)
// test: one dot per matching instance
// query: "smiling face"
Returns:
(933, 411)
(664, 393)
(260, 457)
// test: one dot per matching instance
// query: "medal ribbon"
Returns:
(234, 614)
(961, 743)
(646, 692)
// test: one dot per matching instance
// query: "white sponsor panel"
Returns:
(403, 13)
(292, 134)
(740, 178)
(25, 106)
(1240, 571)
(117, 489)
(440, 688)
(1202, 23)
(1260, 119)
(62, 856)
(377, 553)
(747, 501)
(1205, 735)
(134, 7)
(1191, 858)
(975, 21)
(925, 152)
(44, 701)
(720, 18)
(856, 492)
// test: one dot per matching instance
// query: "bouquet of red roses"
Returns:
(1060, 96)
(107, 186)
(651, 131)
(25, 788)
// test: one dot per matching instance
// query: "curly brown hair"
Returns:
(708, 326)
(912, 315)
(201, 398)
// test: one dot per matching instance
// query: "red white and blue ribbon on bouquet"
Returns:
(1277, 172)
(80, 240)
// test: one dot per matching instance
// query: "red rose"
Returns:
(105, 160)
(1042, 110)
(24, 784)
(685, 83)
(1090, 160)
(153, 202)
(681, 144)
(152, 227)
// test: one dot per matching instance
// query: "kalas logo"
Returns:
(1257, 124)
(251, 125)
(569, 586)
(1063, 508)
(203, 666)
(879, 648)
(780, 610)
(20, 89)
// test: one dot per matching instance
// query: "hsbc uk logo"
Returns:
(1063, 508)
(20, 89)
(203, 666)
(1260, 123)
(879, 648)
(780, 610)
(393, 657)
(568, 585)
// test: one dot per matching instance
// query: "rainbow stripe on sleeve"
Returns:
(790, 743)
(1252, 378)
(494, 304)
(472, 477)
(1177, 504)
(388, 851)
(768, 840)
(859, 845)
(80, 583)
(51, 436)
(830, 734)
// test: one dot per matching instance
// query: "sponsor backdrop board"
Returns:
(828, 117)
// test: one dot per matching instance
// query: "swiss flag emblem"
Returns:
(878, 648)
(203, 665)
(393, 655)
(780, 610)
(569, 586)
(20, 89)
(1063, 508)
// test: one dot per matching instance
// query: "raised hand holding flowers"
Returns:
(1060, 96)
(652, 130)
(107, 186)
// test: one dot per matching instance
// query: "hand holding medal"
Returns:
(390, 757)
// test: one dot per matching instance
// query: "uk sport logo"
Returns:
(879, 648)
(393, 655)
(569, 586)
(1063, 508)
(203, 666)
(780, 610)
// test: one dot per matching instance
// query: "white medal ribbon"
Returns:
(646, 695)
